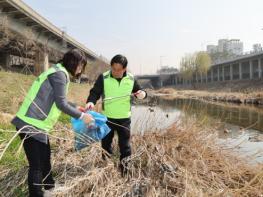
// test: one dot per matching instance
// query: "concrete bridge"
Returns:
(19, 19)
(246, 67)
(156, 81)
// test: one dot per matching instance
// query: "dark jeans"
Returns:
(123, 137)
(39, 174)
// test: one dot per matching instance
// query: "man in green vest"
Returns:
(116, 87)
(39, 112)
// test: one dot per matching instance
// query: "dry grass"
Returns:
(78, 93)
(183, 161)
(11, 92)
(166, 91)
(5, 118)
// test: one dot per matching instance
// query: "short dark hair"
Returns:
(71, 60)
(119, 59)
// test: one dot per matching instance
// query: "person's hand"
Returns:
(87, 118)
(140, 94)
(80, 108)
(89, 106)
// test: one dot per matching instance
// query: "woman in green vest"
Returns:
(40, 111)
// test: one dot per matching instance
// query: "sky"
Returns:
(154, 33)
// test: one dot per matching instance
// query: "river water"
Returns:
(240, 125)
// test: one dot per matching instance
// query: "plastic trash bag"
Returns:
(87, 134)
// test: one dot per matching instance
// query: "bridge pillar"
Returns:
(203, 77)
(223, 73)
(259, 68)
(212, 75)
(5, 60)
(218, 74)
(240, 70)
(250, 69)
(41, 63)
(46, 62)
(161, 83)
(231, 71)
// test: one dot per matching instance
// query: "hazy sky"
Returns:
(145, 30)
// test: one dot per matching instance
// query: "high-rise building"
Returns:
(257, 48)
(222, 45)
(232, 47)
(211, 48)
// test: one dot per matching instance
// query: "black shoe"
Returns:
(49, 185)
(123, 166)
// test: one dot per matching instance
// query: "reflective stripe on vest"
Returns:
(120, 107)
(39, 108)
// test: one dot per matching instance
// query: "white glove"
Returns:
(140, 94)
(89, 106)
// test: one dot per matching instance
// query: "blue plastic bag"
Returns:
(87, 134)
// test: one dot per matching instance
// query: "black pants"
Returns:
(38, 155)
(123, 137)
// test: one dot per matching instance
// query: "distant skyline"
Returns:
(154, 32)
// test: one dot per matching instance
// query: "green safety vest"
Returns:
(33, 109)
(120, 107)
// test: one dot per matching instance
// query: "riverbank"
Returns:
(254, 97)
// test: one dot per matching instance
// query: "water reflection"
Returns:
(241, 115)
(244, 124)
(146, 118)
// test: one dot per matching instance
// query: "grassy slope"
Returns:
(13, 87)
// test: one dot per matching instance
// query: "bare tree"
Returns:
(187, 66)
(203, 63)
(195, 64)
